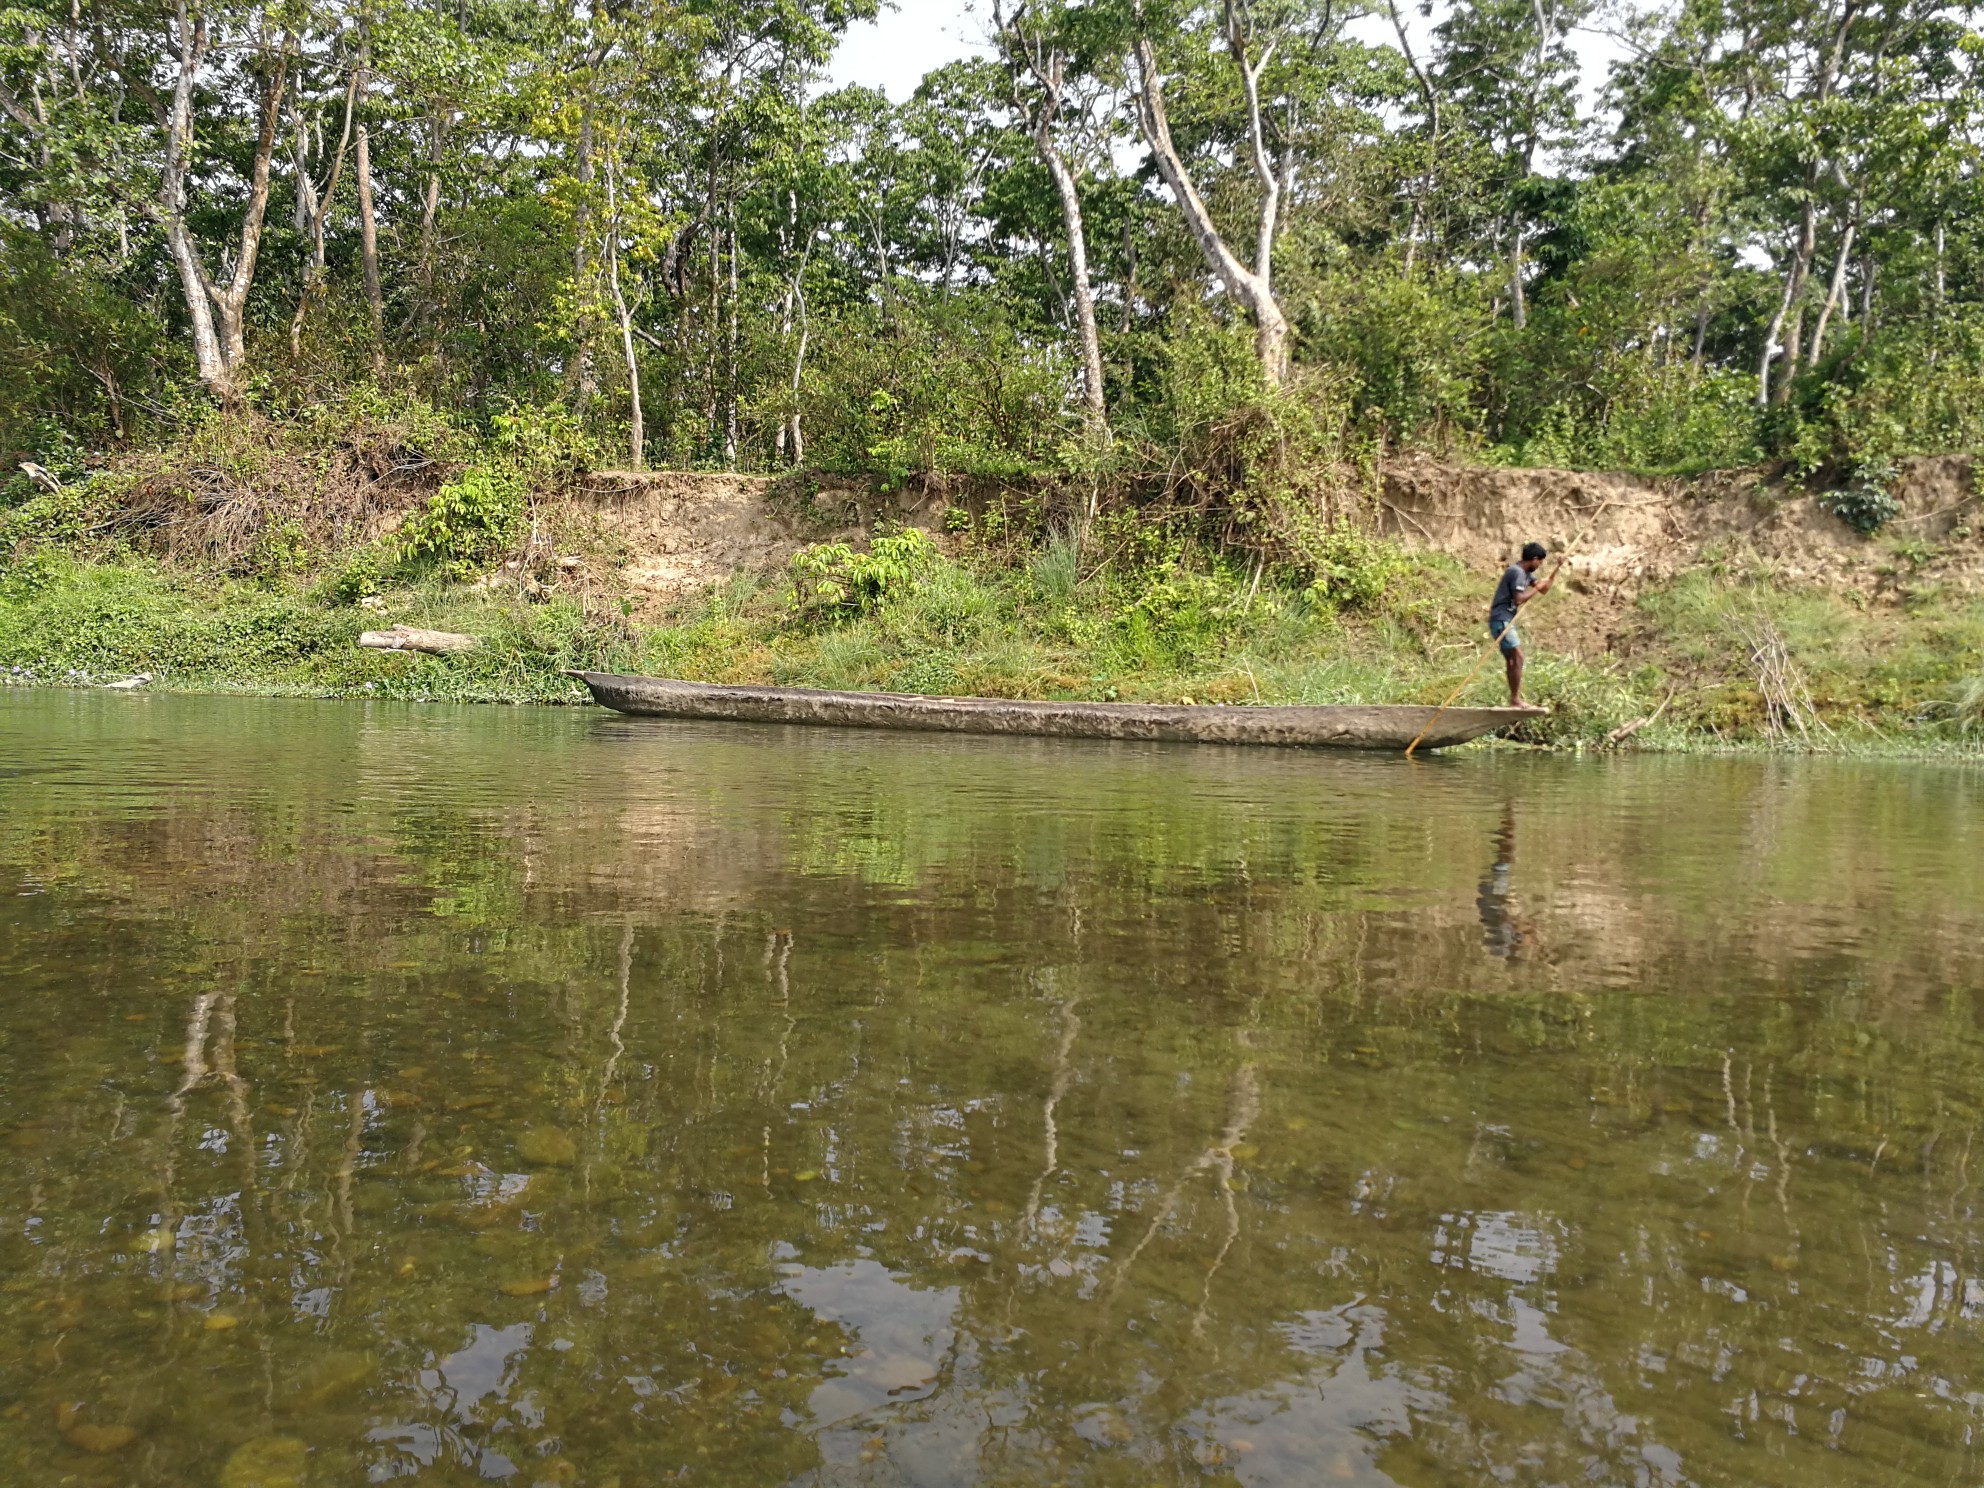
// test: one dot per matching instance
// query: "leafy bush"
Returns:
(28, 574)
(545, 443)
(923, 388)
(1867, 503)
(832, 580)
(361, 573)
(1351, 567)
(471, 518)
(77, 356)
(1176, 617)
(1413, 347)
(48, 519)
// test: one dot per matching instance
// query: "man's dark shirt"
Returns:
(1516, 581)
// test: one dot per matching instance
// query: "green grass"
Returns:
(70, 622)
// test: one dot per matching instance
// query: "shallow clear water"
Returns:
(472, 1094)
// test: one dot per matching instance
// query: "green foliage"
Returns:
(103, 619)
(832, 580)
(1412, 347)
(361, 572)
(80, 359)
(48, 519)
(1867, 503)
(29, 573)
(1176, 616)
(1348, 566)
(920, 388)
(469, 519)
(281, 550)
(545, 444)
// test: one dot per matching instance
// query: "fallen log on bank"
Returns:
(407, 638)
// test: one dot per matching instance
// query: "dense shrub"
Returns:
(920, 387)
(832, 580)
(470, 518)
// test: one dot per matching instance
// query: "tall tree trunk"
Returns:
(1781, 337)
(368, 220)
(313, 272)
(1518, 303)
(637, 434)
(1048, 65)
(798, 368)
(368, 247)
(1252, 290)
(1777, 393)
(430, 210)
(585, 373)
(1835, 290)
(731, 347)
(1423, 192)
(216, 312)
(1096, 410)
(1129, 272)
(304, 210)
(194, 286)
(790, 442)
(779, 435)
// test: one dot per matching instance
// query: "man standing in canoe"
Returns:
(1518, 587)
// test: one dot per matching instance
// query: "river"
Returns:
(471, 1094)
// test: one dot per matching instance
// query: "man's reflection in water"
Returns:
(1501, 932)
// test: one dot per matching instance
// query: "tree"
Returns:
(1252, 33)
(1037, 55)
(251, 53)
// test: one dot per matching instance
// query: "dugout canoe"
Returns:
(1345, 726)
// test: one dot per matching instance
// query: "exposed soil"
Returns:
(665, 535)
(1623, 534)
(1636, 530)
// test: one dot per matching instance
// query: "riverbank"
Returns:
(1731, 639)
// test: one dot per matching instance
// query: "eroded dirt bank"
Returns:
(670, 534)
(1627, 531)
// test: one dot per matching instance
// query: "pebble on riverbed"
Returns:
(102, 1439)
(547, 1147)
(323, 1379)
(530, 1286)
(267, 1462)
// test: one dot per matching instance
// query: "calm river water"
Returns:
(542, 1096)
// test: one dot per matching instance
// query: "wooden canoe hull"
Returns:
(1349, 726)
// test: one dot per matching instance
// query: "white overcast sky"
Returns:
(911, 37)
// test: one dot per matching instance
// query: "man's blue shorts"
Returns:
(1504, 630)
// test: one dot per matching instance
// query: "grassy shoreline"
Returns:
(1039, 622)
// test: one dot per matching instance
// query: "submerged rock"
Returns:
(548, 1147)
(323, 1379)
(102, 1439)
(267, 1462)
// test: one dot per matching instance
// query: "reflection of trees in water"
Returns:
(1534, 1263)
(1126, 1145)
